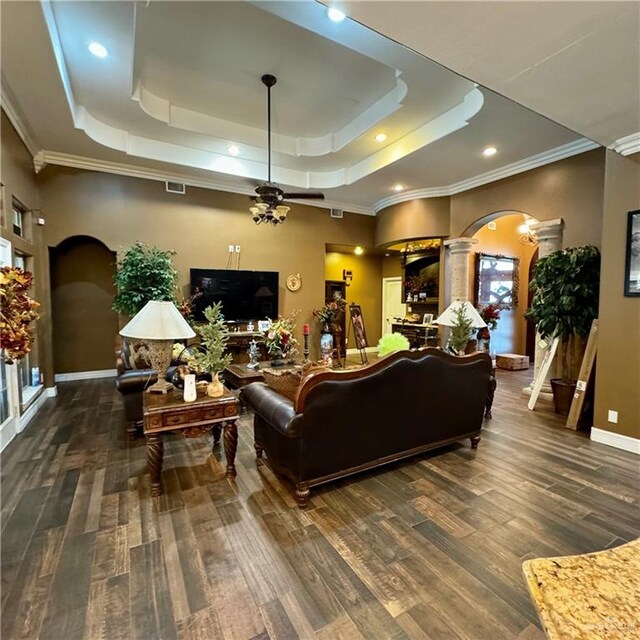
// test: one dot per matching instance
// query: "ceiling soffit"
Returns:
(416, 100)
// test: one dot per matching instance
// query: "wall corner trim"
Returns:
(84, 375)
(627, 145)
(617, 440)
(26, 417)
(51, 392)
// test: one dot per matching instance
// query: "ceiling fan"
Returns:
(269, 200)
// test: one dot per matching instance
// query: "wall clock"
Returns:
(294, 282)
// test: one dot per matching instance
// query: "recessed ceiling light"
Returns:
(335, 15)
(98, 50)
(380, 137)
(490, 151)
(234, 150)
(358, 251)
(398, 187)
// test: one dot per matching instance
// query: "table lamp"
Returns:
(158, 324)
(448, 317)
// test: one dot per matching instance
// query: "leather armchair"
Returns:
(343, 422)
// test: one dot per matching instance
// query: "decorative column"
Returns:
(549, 234)
(459, 250)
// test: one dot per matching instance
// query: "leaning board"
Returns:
(542, 374)
(583, 379)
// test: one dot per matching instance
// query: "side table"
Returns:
(169, 413)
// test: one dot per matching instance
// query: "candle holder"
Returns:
(305, 351)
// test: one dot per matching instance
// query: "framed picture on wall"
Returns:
(632, 264)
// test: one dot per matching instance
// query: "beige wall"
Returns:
(618, 361)
(200, 226)
(365, 289)
(570, 189)
(510, 336)
(19, 181)
(422, 218)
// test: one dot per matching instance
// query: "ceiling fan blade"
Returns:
(307, 195)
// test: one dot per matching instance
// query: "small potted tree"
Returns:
(566, 286)
(211, 358)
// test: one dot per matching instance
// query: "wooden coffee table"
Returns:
(169, 413)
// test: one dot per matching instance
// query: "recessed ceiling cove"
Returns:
(181, 84)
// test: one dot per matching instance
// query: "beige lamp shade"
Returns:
(447, 317)
(158, 321)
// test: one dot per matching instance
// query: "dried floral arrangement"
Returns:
(279, 336)
(17, 312)
(490, 313)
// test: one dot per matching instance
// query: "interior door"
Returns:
(392, 305)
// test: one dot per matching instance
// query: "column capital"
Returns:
(548, 229)
(460, 245)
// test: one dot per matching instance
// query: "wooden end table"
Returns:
(168, 412)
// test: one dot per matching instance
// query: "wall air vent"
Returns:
(337, 213)
(176, 187)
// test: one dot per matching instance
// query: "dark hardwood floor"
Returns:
(429, 548)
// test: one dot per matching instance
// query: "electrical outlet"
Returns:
(612, 416)
(237, 248)
(231, 249)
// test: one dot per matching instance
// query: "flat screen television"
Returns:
(245, 295)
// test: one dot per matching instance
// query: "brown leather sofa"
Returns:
(343, 422)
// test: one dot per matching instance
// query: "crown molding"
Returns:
(44, 158)
(18, 123)
(627, 145)
(532, 162)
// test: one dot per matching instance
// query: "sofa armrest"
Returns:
(277, 410)
(135, 380)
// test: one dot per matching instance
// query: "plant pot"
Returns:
(215, 388)
(563, 391)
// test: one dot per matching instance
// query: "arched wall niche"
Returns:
(84, 326)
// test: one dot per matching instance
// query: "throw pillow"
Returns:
(285, 382)
(139, 355)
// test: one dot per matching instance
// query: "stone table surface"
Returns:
(588, 597)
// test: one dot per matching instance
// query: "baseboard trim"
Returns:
(617, 440)
(26, 417)
(51, 392)
(8, 431)
(85, 375)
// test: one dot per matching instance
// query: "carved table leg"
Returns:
(230, 446)
(302, 495)
(258, 448)
(155, 452)
(217, 433)
(489, 403)
(475, 440)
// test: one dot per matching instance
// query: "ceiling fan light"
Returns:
(281, 211)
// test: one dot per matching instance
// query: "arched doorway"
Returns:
(84, 326)
(507, 233)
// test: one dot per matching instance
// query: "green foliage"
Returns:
(214, 334)
(566, 290)
(461, 330)
(566, 287)
(391, 342)
(144, 273)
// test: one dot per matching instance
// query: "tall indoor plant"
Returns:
(144, 273)
(566, 286)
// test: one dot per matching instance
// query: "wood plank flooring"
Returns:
(425, 549)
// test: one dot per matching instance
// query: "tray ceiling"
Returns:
(181, 84)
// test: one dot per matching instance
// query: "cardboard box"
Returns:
(512, 361)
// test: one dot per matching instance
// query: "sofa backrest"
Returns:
(408, 399)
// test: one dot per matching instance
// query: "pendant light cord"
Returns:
(269, 133)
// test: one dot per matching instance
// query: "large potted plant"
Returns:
(143, 273)
(565, 286)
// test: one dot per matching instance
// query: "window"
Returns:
(4, 391)
(21, 219)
